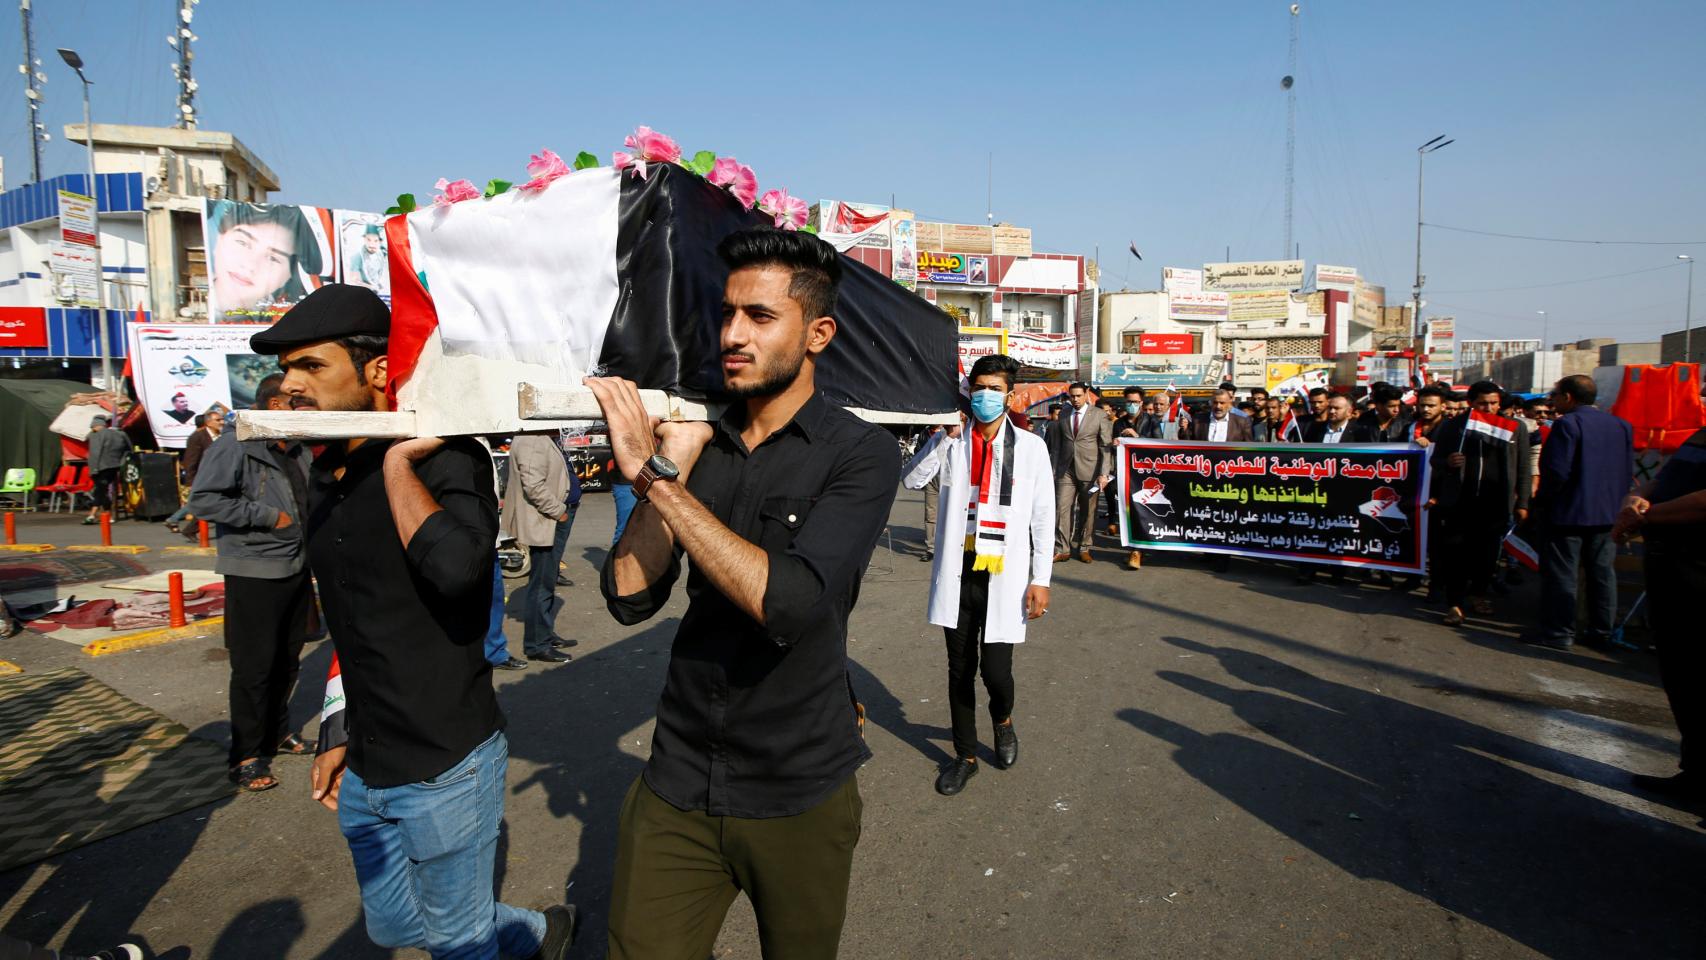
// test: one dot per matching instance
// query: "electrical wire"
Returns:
(1560, 283)
(1520, 236)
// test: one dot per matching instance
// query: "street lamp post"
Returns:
(75, 62)
(1543, 337)
(1422, 151)
(1688, 313)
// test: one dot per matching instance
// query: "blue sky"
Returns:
(1160, 123)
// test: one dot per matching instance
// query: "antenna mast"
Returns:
(1289, 83)
(180, 41)
(33, 79)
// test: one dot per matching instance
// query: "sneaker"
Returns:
(562, 924)
(512, 663)
(124, 951)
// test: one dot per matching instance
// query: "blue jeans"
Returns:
(539, 619)
(497, 648)
(623, 494)
(424, 854)
(1561, 550)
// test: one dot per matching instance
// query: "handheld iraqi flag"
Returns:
(334, 730)
(1502, 429)
(1289, 431)
(986, 514)
(602, 270)
(1519, 550)
(1152, 496)
(1384, 508)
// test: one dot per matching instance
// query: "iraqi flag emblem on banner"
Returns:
(1152, 496)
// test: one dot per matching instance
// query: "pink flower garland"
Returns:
(790, 212)
(652, 147)
(544, 167)
(455, 191)
(737, 178)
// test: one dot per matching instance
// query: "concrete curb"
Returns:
(115, 548)
(152, 638)
(27, 547)
(7, 668)
(191, 551)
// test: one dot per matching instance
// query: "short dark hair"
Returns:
(200, 419)
(1481, 388)
(1078, 385)
(1385, 393)
(1261, 390)
(1137, 390)
(1533, 402)
(362, 348)
(1579, 388)
(1434, 390)
(996, 363)
(1319, 392)
(815, 265)
(271, 386)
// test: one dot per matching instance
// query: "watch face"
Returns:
(664, 467)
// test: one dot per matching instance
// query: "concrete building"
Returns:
(1671, 346)
(1624, 354)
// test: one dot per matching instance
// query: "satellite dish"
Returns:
(1294, 9)
(1285, 83)
(153, 184)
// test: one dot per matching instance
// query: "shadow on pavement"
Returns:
(887, 711)
(1467, 817)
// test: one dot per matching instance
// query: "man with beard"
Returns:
(401, 538)
(751, 782)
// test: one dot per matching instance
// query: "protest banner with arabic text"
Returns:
(1351, 505)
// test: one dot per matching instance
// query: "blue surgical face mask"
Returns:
(1133, 408)
(987, 405)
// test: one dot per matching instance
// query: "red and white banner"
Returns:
(1053, 351)
(1164, 343)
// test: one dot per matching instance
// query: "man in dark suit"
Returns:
(1221, 425)
(1081, 450)
(1586, 469)
(1481, 482)
(1335, 425)
(1385, 415)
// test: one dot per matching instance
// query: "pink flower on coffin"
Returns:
(454, 192)
(653, 147)
(790, 212)
(544, 167)
(737, 178)
(627, 161)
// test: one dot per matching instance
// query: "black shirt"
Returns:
(758, 721)
(409, 626)
(1683, 474)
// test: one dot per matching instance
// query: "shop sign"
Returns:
(1164, 343)
(76, 218)
(946, 267)
(1255, 275)
(23, 327)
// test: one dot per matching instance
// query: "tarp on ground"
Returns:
(27, 407)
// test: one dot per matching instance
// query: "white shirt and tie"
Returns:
(1334, 434)
(1217, 429)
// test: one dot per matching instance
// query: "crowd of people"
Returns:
(779, 506)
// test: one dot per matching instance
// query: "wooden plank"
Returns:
(564, 402)
(323, 424)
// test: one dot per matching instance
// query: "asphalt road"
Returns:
(1213, 765)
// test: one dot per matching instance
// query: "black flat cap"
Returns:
(334, 311)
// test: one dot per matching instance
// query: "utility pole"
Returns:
(180, 41)
(33, 79)
(1416, 294)
(1688, 313)
(75, 62)
(1289, 83)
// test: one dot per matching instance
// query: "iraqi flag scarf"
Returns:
(992, 500)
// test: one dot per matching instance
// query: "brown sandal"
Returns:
(253, 776)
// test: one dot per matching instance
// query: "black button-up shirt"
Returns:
(758, 721)
(409, 625)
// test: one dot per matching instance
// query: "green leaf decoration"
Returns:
(808, 228)
(702, 163)
(583, 160)
(495, 187)
(405, 203)
(393, 211)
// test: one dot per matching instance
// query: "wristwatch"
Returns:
(657, 467)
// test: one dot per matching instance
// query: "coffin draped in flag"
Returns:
(603, 271)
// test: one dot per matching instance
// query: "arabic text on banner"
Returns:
(1343, 505)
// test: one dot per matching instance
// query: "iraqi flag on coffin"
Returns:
(605, 271)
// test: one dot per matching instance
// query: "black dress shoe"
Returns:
(1006, 745)
(550, 656)
(563, 581)
(562, 923)
(511, 664)
(558, 643)
(955, 775)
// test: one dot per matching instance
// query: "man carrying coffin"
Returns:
(992, 567)
(751, 782)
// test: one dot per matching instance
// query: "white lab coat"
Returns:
(1029, 558)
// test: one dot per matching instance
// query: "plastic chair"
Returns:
(84, 484)
(19, 480)
(63, 481)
